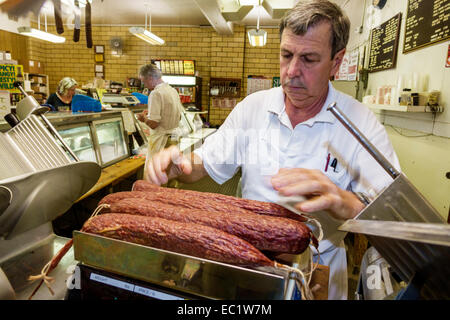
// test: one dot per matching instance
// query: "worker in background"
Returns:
(164, 109)
(288, 144)
(61, 100)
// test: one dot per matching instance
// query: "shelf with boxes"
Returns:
(37, 85)
(406, 101)
(400, 108)
(224, 95)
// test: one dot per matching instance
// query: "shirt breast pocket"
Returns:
(338, 174)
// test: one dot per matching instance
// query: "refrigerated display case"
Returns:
(110, 137)
(79, 139)
(98, 137)
(189, 89)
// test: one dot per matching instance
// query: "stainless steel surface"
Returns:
(63, 118)
(29, 147)
(401, 201)
(424, 265)
(26, 106)
(30, 262)
(6, 290)
(5, 199)
(429, 233)
(363, 140)
(57, 135)
(419, 253)
(211, 280)
(38, 182)
(119, 99)
(405, 229)
(42, 196)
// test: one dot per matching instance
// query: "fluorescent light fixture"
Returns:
(42, 35)
(179, 80)
(257, 38)
(249, 2)
(146, 35)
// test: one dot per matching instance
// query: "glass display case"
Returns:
(79, 139)
(99, 137)
(110, 140)
(195, 120)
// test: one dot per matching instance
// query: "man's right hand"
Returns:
(167, 164)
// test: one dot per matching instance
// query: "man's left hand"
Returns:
(321, 192)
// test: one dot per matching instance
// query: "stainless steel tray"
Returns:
(418, 252)
(192, 275)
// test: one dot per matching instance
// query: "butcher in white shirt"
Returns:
(287, 143)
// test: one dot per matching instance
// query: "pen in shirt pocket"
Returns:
(334, 164)
(327, 162)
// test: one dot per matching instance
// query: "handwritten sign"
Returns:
(189, 67)
(427, 22)
(8, 74)
(384, 45)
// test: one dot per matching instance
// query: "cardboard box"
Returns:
(32, 66)
(41, 68)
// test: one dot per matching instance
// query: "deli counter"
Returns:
(98, 137)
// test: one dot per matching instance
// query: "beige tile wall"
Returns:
(216, 56)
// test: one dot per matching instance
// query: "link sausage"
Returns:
(274, 234)
(186, 238)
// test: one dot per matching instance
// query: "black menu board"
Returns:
(384, 44)
(427, 22)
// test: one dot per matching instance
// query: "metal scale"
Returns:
(138, 272)
(405, 229)
(40, 179)
(119, 100)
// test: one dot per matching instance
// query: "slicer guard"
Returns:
(40, 197)
(404, 228)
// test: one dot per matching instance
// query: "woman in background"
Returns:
(61, 100)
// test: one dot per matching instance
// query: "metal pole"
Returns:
(387, 166)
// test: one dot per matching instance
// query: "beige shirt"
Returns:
(164, 106)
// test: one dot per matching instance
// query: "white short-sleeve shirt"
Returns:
(164, 107)
(258, 137)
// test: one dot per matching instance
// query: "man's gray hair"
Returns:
(309, 13)
(150, 71)
(65, 84)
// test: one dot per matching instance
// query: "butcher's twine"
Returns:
(43, 276)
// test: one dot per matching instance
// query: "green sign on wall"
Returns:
(8, 74)
(276, 82)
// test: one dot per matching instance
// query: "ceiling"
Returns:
(166, 12)
(221, 14)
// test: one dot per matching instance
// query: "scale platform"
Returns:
(134, 270)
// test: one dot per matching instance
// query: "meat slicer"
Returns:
(405, 229)
(40, 179)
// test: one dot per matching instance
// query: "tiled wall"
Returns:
(16, 44)
(216, 56)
